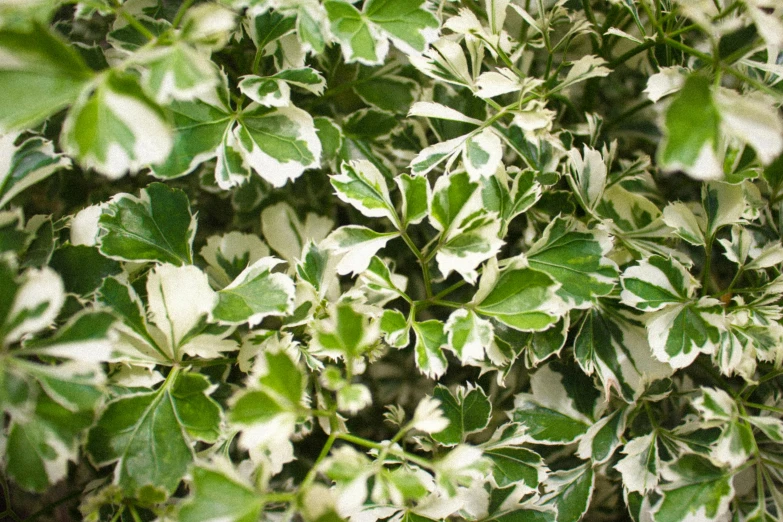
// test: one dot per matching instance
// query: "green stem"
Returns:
(134, 514)
(763, 407)
(630, 54)
(118, 514)
(7, 495)
(443, 293)
(381, 447)
(181, 12)
(272, 498)
(132, 21)
(705, 274)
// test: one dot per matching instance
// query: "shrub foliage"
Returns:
(400, 260)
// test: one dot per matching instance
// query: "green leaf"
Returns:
(677, 334)
(468, 412)
(395, 328)
(305, 78)
(278, 143)
(387, 92)
(515, 466)
(547, 425)
(570, 492)
(416, 196)
(156, 226)
(150, 435)
(603, 438)
(724, 204)
(115, 128)
(510, 201)
(615, 347)
(83, 268)
(454, 198)
(39, 75)
(550, 414)
(38, 451)
(406, 22)
(575, 258)
(364, 35)
(469, 244)
(269, 26)
(363, 186)
(430, 339)
(655, 283)
(255, 293)
(28, 163)
(697, 491)
(200, 127)
(220, 494)
(125, 304)
(692, 131)
(521, 298)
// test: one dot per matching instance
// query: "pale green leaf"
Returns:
(692, 126)
(362, 185)
(680, 218)
(254, 294)
(358, 245)
(180, 300)
(678, 333)
(176, 72)
(115, 128)
(220, 494)
(655, 283)
(287, 234)
(641, 464)
(603, 438)
(430, 340)
(470, 243)
(278, 143)
(346, 331)
(229, 254)
(468, 334)
(611, 344)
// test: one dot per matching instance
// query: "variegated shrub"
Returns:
(391, 260)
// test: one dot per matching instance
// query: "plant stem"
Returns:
(181, 12)
(381, 447)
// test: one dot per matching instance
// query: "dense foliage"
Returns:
(405, 260)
